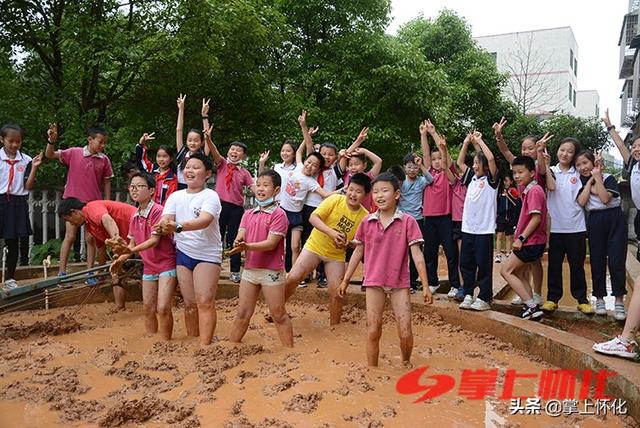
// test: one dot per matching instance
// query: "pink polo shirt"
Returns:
(367, 202)
(234, 193)
(437, 195)
(534, 201)
(160, 258)
(86, 173)
(386, 255)
(458, 193)
(258, 225)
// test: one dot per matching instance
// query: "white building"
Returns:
(588, 104)
(629, 41)
(542, 66)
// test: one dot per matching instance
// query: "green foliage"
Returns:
(260, 62)
(49, 248)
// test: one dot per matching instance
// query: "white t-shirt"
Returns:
(204, 244)
(567, 216)
(296, 190)
(330, 184)
(284, 172)
(480, 203)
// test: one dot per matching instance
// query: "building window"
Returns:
(632, 26)
(629, 87)
(574, 97)
(629, 106)
(494, 57)
(575, 66)
(570, 91)
(597, 111)
(571, 58)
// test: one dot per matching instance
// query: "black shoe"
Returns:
(322, 282)
(533, 313)
(362, 288)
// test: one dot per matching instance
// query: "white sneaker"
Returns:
(537, 299)
(433, 289)
(10, 284)
(452, 293)
(601, 309)
(467, 302)
(480, 305)
(517, 301)
(618, 347)
(619, 314)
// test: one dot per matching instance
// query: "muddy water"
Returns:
(105, 372)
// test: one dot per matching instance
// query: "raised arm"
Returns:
(376, 161)
(541, 148)
(306, 135)
(362, 136)
(619, 142)
(35, 163)
(491, 160)
(424, 144)
(444, 153)
(180, 122)
(504, 149)
(204, 114)
(583, 196)
(549, 179)
(598, 182)
(142, 160)
(52, 139)
(264, 156)
(213, 150)
(463, 153)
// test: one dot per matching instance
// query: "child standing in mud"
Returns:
(193, 214)
(261, 235)
(384, 239)
(158, 255)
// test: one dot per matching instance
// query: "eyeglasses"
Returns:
(411, 167)
(138, 186)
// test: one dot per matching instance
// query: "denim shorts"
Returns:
(154, 276)
(190, 263)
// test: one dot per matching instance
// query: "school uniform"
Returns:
(166, 182)
(14, 208)
(568, 235)
(633, 169)
(437, 228)
(607, 233)
(478, 225)
(508, 211)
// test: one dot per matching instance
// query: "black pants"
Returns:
(574, 246)
(607, 232)
(306, 231)
(12, 257)
(229, 223)
(413, 272)
(438, 231)
(636, 225)
(476, 264)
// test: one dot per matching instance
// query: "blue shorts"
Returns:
(294, 219)
(190, 263)
(155, 276)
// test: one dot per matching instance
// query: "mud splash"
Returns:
(62, 324)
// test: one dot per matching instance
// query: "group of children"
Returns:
(321, 209)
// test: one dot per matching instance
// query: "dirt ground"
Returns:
(98, 368)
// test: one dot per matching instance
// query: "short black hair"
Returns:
(293, 144)
(97, 130)
(318, 156)
(128, 166)
(197, 131)
(525, 161)
(363, 180)
(150, 179)
(409, 158)
(387, 177)
(587, 154)
(11, 127)
(68, 204)
(398, 171)
(275, 177)
(240, 144)
(206, 160)
(167, 149)
(574, 141)
(329, 146)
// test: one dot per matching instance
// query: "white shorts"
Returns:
(266, 277)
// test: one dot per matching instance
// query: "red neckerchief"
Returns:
(320, 178)
(12, 163)
(231, 168)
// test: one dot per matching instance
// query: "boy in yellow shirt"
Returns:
(334, 223)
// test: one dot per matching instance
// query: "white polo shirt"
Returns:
(567, 216)
(595, 203)
(634, 180)
(330, 184)
(480, 204)
(21, 170)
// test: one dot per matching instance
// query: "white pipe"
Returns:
(4, 260)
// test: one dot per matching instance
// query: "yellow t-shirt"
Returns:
(336, 214)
